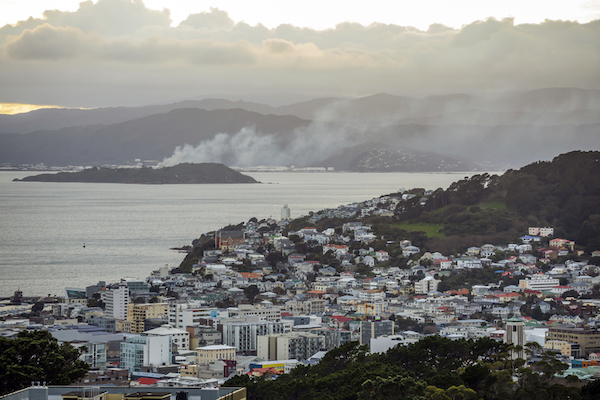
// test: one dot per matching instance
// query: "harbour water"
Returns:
(128, 230)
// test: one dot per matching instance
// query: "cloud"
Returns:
(213, 20)
(109, 17)
(48, 42)
(121, 40)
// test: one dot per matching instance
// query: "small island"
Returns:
(185, 173)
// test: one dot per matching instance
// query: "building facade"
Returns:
(140, 351)
(137, 314)
(243, 335)
(180, 338)
(539, 282)
(515, 335)
(373, 329)
(587, 337)
(293, 345)
(210, 354)
(116, 301)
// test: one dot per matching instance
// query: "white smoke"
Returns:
(246, 148)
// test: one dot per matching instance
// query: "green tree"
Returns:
(37, 356)
(398, 387)
(251, 292)
(37, 307)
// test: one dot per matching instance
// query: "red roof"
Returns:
(341, 319)
(250, 275)
(147, 381)
(512, 294)
(262, 371)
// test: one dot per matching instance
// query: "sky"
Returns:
(131, 52)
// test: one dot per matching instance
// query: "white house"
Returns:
(410, 250)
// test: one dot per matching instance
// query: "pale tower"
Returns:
(285, 212)
(116, 301)
(515, 335)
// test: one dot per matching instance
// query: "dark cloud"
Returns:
(48, 42)
(125, 38)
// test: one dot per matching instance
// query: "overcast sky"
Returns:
(129, 52)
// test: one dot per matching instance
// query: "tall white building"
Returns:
(139, 351)
(116, 301)
(179, 337)
(285, 212)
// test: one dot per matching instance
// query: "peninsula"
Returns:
(185, 173)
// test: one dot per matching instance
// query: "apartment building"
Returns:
(587, 337)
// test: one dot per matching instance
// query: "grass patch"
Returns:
(431, 230)
(494, 205)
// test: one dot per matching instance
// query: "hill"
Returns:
(379, 157)
(153, 137)
(563, 193)
(179, 174)
(486, 132)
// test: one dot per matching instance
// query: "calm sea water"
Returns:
(128, 229)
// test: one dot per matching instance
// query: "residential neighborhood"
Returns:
(263, 298)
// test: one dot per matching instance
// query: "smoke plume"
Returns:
(248, 147)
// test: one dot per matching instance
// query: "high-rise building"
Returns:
(243, 335)
(116, 301)
(140, 351)
(374, 329)
(137, 314)
(285, 212)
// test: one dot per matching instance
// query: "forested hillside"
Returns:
(433, 368)
(563, 193)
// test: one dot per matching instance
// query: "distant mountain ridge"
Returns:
(530, 107)
(497, 132)
(180, 174)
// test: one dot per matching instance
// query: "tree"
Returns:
(37, 356)
(251, 292)
(37, 307)
(96, 301)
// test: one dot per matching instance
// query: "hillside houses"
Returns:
(260, 288)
